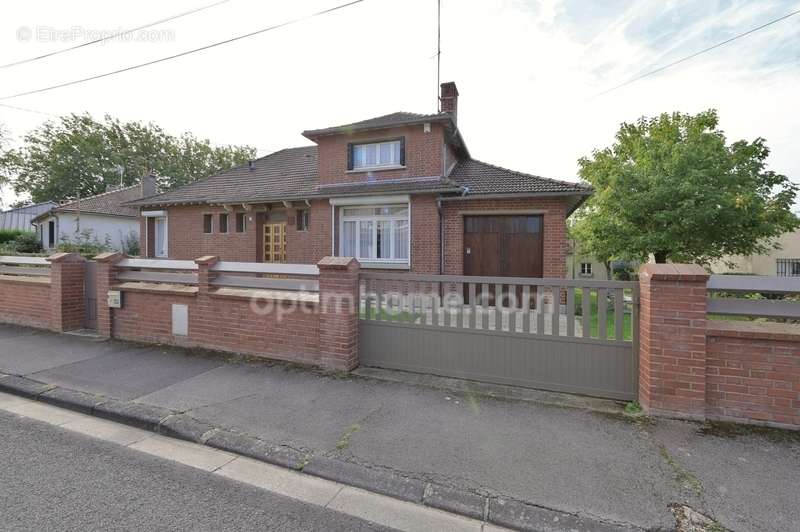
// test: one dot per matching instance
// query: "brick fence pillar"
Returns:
(672, 342)
(338, 308)
(67, 304)
(204, 273)
(106, 278)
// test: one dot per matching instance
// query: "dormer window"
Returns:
(376, 155)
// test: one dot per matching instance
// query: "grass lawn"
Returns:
(627, 328)
(385, 315)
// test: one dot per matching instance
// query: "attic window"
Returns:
(376, 154)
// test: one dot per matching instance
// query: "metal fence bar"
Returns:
(539, 281)
(754, 307)
(436, 303)
(570, 311)
(753, 283)
(472, 317)
(556, 295)
(526, 309)
(368, 299)
(539, 310)
(602, 311)
(378, 300)
(619, 313)
(498, 307)
(586, 311)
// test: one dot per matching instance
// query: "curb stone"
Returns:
(455, 500)
(522, 516)
(501, 511)
(372, 479)
(23, 386)
(137, 414)
(71, 399)
(184, 427)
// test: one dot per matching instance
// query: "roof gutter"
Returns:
(509, 195)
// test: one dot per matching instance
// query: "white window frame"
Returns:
(375, 218)
(166, 237)
(379, 164)
(588, 273)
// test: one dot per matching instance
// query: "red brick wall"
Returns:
(753, 372)
(308, 247)
(554, 226)
(304, 332)
(67, 302)
(672, 339)
(424, 154)
(187, 241)
(25, 303)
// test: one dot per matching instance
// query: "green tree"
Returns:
(78, 154)
(671, 186)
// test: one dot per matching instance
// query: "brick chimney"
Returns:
(449, 98)
(148, 186)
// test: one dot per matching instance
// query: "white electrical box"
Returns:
(114, 299)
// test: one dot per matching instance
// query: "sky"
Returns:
(529, 73)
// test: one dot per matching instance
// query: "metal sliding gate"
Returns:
(90, 296)
(576, 336)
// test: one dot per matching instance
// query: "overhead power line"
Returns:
(113, 36)
(692, 56)
(27, 110)
(188, 52)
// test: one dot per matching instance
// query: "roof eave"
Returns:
(314, 134)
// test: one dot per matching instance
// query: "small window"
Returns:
(302, 220)
(376, 154)
(208, 220)
(788, 267)
(241, 222)
(223, 222)
(586, 269)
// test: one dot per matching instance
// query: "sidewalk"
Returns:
(458, 447)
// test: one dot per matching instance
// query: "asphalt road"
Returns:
(53, 479)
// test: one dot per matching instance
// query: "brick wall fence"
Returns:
(300, 327)
(54, 302)
(695, 368)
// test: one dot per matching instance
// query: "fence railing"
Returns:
(252, 275)
(738, 285)
(157, 271)
(24, 266)
(575, 308)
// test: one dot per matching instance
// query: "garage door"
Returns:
(503, 246)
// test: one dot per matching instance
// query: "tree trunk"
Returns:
(661, 256)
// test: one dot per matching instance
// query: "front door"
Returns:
(503, 246)
(274, 243)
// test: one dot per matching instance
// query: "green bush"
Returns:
(9, 235)
(27, 243)
(85, 244)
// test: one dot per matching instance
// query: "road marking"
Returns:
(187, 453)
(42, 412)
(398, 514)
(292, 484)
(107, 430)
(379, 509)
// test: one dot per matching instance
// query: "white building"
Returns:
(102, 217)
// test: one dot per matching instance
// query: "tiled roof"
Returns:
(400, 118)
(285, 174)
(108, 203)
(292, 174)
(484, 178)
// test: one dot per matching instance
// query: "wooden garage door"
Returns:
(503, 246)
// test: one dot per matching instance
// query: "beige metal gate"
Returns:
(576, 336)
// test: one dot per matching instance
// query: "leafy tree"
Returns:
(670, 186)
(78, 154)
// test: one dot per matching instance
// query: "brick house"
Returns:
(397, 192)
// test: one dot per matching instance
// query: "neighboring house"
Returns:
(783, 262)
(398, 191)
(104, 217)
(20, 219)
(583, 266)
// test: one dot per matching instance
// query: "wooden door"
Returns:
(503, 246)
(274, 242)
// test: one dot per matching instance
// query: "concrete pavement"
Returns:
(599, 466)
